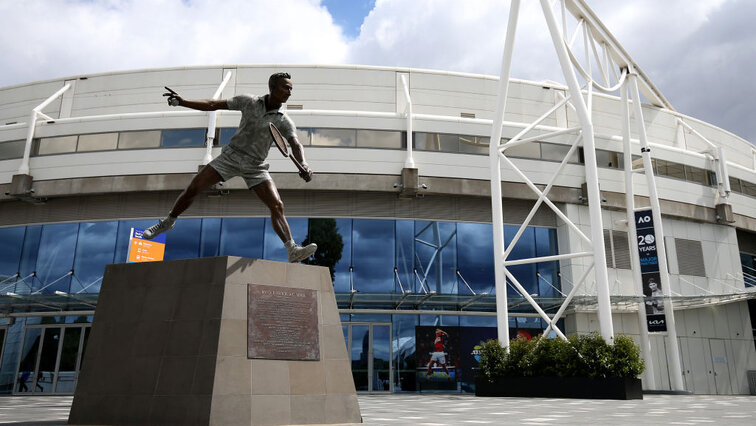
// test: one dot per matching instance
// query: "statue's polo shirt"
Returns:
(253, 135)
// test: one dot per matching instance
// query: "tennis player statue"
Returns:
(245, 156)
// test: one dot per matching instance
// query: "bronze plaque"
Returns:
(282, 323)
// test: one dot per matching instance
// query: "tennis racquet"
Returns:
(281, 145)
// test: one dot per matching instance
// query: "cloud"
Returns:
(696, 52)
(51, 39)
(709, 78)
(446, 35)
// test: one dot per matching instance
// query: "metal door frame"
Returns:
(59, 350)
(370, 353)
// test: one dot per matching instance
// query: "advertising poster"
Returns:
(471, 340)
(455, 352)
(649, 266)
(142, 250)
(438, 357)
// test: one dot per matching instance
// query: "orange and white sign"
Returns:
(142, 250)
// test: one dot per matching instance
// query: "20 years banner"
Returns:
(649, 264)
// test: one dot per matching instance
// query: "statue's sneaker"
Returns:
(165, 225)
(299, 253)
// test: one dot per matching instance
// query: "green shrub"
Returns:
(595, 355)
(544, 357)
(493, 358)
(626, 359)
(579, 356)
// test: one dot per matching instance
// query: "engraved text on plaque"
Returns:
(282, 323)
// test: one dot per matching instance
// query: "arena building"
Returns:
(406, 230)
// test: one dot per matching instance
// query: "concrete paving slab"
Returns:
(445, 409)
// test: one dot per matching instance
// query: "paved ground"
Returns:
(414, 409)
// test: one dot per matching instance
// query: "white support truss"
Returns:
(212, 118)
(591, 61)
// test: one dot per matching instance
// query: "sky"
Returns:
(699, 53)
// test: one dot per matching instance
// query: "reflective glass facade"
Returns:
(368, 256)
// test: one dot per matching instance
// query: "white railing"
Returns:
(33, 116)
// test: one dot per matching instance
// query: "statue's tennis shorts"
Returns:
(231, 163)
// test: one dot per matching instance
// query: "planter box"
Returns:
(561, 387)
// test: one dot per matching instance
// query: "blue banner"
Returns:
(649, 266)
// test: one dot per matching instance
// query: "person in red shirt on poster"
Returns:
(439, 351)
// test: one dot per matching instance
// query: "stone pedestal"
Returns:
(169, 345)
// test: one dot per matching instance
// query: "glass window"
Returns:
(56, 145)
(68, 356)
(379, 139)
(476, 265)
(242, 237)
(303, 136)
(554, 152)
(474, 144)
(608, 159)
(670, 169)
(11, 243)
(56, 255)
(135, 140)
(527, 150)
(333, 137)
(98, 142)
(466, 321)
(436, 142)
(694, 174)
(735, 184)
(448, 257)
(28, 364)
(341, 269)
(548, 278)
(183, 241)
(210, 238)
(405, 256)
(181, 138)
(373, 255)
(12, 149)
(359, 351)
(95, 249)
(748, 264)
(524, 248)
(403, 330)
(225, 135)
(450, 320)
(436, 256)
(620, 161)
(712, 179)
(47, 358)
(748, 188)
(273, 248)
(529, 324)
(29, 256)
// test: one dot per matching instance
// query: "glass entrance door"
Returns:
(369, 347)
(50, 359)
